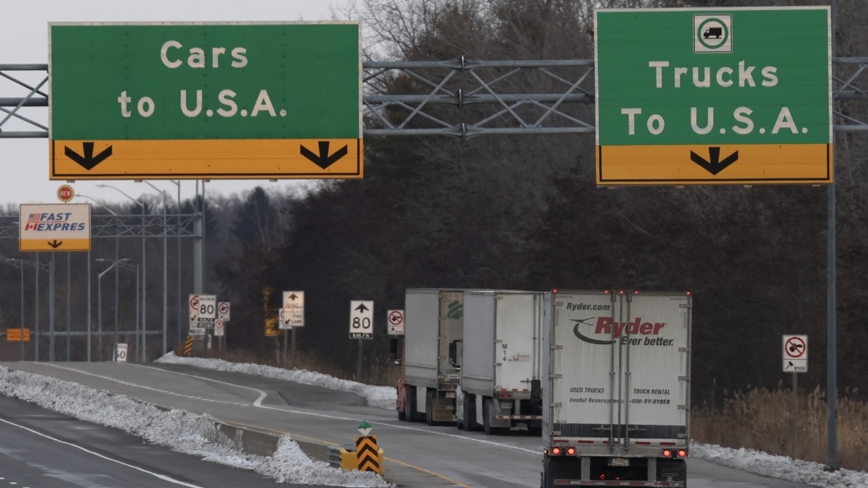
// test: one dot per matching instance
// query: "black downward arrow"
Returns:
(715, 165)
(361, 308)
(323, 160)
(88, 161)
(54, 244)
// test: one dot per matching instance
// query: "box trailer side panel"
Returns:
(451, 329)
(517, 332)
(477, 366)
(421, 314)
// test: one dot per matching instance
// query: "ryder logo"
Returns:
(608, 331)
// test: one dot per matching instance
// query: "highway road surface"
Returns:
(43, 449)
(417, 455)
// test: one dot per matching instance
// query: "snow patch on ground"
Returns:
(377, 396)
(179, 430)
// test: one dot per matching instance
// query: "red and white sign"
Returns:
(223, 309)
(194, 309)
(795, 354)
(65, 193)
(396, 322)
(218, 328)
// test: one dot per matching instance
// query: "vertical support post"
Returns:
(22, 310)
(178, 242)
(137, 312)
(114, 352)
(89, 325)
(165, 273)
(51, 310)
(68, 303)
(359, 361)
(285, 349)
(831, 304)
(204, 235)
(144, 347)
(795, 413)
(36, 325)
(294, 356)
(99, 317)
(197, 246)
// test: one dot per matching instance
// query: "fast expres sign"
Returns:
(267, 100)
(688, 96)
(54, 227)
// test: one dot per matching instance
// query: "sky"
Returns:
(289, 464)
(24, 40)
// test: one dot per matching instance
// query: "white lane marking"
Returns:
(107, 378)
(76, 446)
(262, 395)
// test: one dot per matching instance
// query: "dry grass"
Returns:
(760, 419)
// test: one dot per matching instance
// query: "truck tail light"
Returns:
(682, 453)
(571, 451)
(667, 453)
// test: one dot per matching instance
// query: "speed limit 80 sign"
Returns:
(361, 319)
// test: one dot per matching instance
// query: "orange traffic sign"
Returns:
(17, 335)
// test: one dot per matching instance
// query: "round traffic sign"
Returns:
(795, 347)
(65, 193)
(194, 302)
(224, 308)
(396, 317)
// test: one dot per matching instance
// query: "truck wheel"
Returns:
(430, 398)
(402, 415)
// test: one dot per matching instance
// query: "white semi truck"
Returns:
(616, 400)
(501, 357)
(433, 326)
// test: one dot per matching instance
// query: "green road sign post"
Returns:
(262, 100)
(737, 96)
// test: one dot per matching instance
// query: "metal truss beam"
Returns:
(123, 226)
(459, 97)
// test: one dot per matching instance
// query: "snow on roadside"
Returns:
(179, 430)
(780, 467)
(377, 396)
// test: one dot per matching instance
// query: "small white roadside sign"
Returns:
(219, 328)
(396, 322)
(292, 313)
(207, 306)
(121, 353)
(795, 353)
(361, 319)
(223, 311)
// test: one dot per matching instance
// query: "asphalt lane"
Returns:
(416, 455)
(44, 449)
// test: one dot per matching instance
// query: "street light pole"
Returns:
(99, 300)
(165, 263)
(144, 272)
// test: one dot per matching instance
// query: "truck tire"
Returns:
(402, 415)
(430, 398)
(409, 404)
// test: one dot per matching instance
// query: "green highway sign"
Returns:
(713, 96)
(212, 100)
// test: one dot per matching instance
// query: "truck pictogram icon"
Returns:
(712, 33)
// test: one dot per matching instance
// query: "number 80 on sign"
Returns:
(361, 319)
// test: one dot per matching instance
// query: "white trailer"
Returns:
(433, 325)
(500, 389)
(616, 402)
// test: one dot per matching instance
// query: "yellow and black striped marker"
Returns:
(369, 456)
(188, 346)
